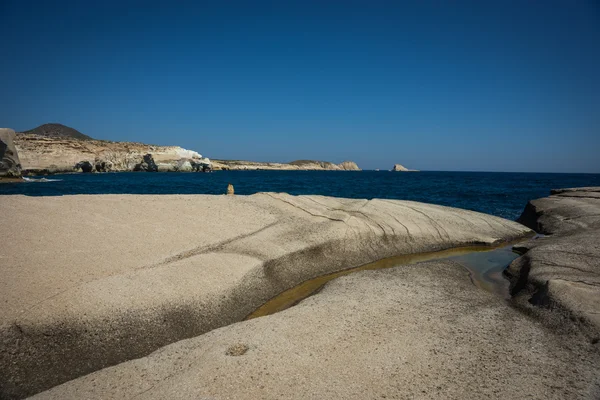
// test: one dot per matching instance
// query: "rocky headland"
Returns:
(54, 148)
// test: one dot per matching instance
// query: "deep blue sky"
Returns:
(434, 85)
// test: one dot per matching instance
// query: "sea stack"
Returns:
(230, 190)
(10, 165)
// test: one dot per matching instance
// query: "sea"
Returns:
(497, 193)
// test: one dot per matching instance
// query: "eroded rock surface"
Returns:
(562, 270)
(97, 280)
(412, 332)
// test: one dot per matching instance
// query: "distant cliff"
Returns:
(55, 148)
(300, 165)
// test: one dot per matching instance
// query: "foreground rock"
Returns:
(10, 165)
(300, 165)
(562, 271)
(97, 280)
(419, 331)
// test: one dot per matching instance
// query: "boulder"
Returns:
(84, 166)
(10, 166)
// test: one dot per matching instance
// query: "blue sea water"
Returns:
(496, 193)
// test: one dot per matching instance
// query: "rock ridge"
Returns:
(561, 271)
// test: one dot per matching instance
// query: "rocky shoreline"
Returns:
(414, 331)
(104, 313)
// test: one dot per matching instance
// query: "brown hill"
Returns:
(57, 130)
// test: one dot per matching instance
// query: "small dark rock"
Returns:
(238, 349)
(84, 166)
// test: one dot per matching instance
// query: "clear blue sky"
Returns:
(434, 85)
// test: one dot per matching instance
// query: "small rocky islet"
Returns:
(113, 312)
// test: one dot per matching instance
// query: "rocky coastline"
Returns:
(42, 155)
(420, 330)
(55, 148)
(127, 305)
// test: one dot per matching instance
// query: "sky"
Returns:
(432, 85)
